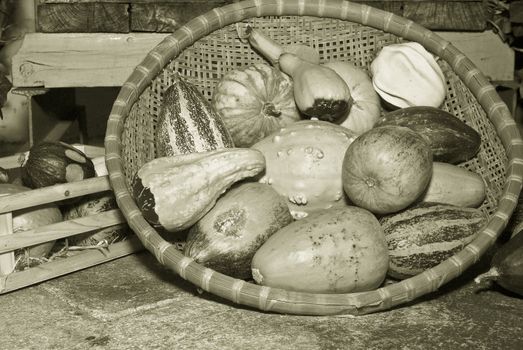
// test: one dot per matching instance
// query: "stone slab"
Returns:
(135, 303)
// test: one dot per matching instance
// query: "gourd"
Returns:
(507, 266)
(303, 163)
(319, 91)
(243, 218)
(187, 122)
(386, 169)
(451, 184)
(337, 250)
(51, 163)
(31, 218)
(365, 109)
(451, 140)
(254, 101)
(424, 235)
(272, 51)
(175, 192)
(406, 75)
(90, 205)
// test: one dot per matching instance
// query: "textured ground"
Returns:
(135, 303)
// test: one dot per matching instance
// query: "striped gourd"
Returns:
(421, 237)
(187, 123)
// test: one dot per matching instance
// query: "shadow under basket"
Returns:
(208, 46)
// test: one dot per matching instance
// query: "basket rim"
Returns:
(279, 300)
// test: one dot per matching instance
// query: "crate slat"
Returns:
(7, 260)
(54, 193)
(61, 230)
(60, 267)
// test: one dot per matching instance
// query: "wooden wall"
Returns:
(124, 16)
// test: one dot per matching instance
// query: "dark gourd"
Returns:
(422, 236)
(51, 163)
(507, 266)
(451, 140)
(175, 192)
(226, 238)
(319, 91)
(187, 123)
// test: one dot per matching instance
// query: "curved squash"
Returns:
(319, 91)
(365, 109)
(175, 192)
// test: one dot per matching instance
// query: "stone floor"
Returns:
(135, 303)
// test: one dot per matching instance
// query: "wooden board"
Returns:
(122, 16)
(89, 60)
(82, 17)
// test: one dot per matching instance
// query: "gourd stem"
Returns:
(269, 48)
(270, 110)
(490, 275)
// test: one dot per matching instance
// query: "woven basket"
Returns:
(208, 46)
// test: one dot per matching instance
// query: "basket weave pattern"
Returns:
(208, 46)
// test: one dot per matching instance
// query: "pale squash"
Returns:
(303, 163)
(406, 75)
(337, 250)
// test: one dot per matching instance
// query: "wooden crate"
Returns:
(70, 259)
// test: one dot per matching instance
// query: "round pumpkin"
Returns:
(386, 169)
(31, 218)
(365, 110)
(254, 101)
(407, 75)
(303, 163)
(51, 163)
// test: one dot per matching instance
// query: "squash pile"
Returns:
(323, 189)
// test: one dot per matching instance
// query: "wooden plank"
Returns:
(61, 230)
(82, 18)
(79, 59)
(454, 16)
(7, 260)
(493, 57)
(168, 16)
(72, 263)
(27, 199)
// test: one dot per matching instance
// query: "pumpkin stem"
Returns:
(270, 110)
(490, 275)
